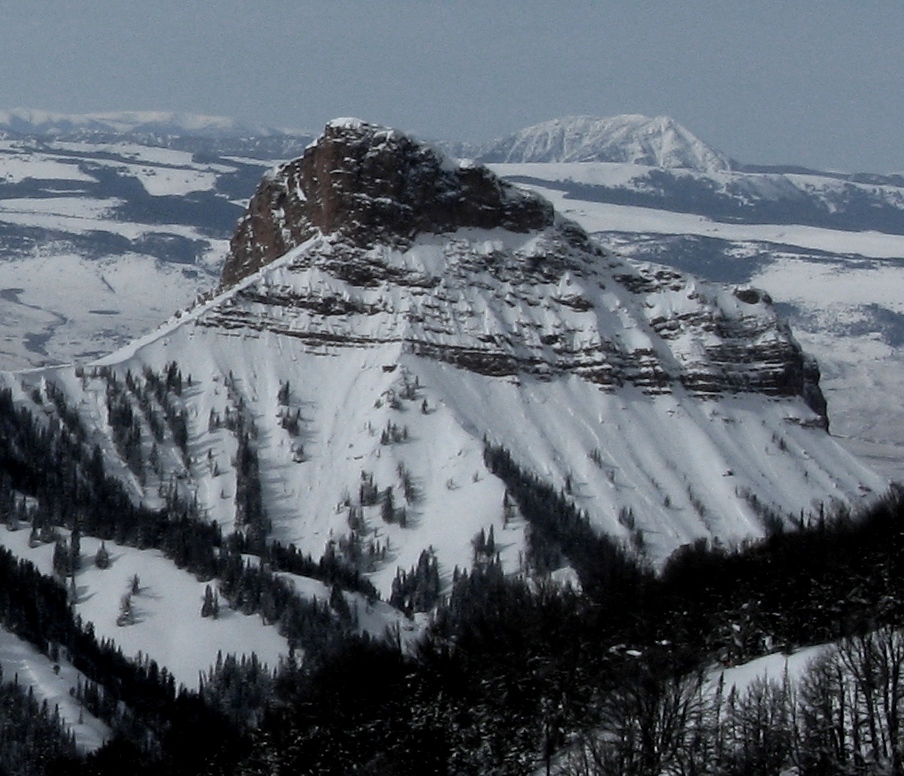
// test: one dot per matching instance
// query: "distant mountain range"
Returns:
(25, 121)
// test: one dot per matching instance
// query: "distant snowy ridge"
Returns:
(27, 121)
(654, 142)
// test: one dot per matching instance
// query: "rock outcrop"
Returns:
(372, 185)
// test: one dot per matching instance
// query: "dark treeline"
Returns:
(839, 576)
(834, 576)
(329, 569)
(51, 462)
(561, 534)
(141, 697)
(608, 681)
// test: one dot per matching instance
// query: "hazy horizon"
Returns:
(812, 84)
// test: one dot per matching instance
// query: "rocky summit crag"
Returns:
(371, 184)
(404, 244)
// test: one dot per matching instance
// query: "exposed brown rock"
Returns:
(371, 184)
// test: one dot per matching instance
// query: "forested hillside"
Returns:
(512, 675)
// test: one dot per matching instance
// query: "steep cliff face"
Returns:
(371, 185)
(389, 241)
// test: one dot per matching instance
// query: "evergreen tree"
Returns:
(102, 557)
(211, 605)
(75, 548)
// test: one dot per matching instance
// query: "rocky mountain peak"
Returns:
(407, 311)
(407, 246)
(369, 184)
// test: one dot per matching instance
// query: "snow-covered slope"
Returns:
(837, 284)
(373, 365)
(656, 142)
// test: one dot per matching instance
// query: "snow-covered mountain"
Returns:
(385, 311)
(827, 248)
(384, 317)
(103, 235)
(654, 142)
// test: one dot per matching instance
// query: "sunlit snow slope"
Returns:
(796, 236)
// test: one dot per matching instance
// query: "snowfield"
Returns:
(52, 682)
(168, 625)
(597, 217)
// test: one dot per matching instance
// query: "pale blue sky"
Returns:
(815, 82)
